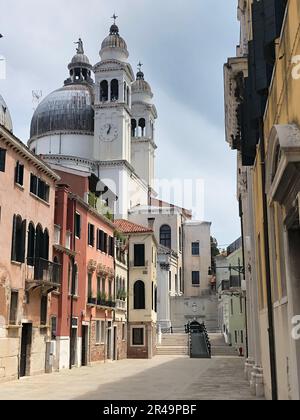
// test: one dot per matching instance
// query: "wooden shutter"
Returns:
(13, 243)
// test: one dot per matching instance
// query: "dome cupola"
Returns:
(5, 118)
(68, 110)
(80, 68)
(114, 47)
(141, 90)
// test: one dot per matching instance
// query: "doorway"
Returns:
(73, 346)
(108, 346)
(84, 349)
(115, 343)
(25, 349)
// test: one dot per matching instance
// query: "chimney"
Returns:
(151, 221)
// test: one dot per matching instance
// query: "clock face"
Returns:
(108, 132)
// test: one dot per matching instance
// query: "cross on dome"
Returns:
(114, 17)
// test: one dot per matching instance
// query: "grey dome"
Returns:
(114, 41)
(80, 59)
(140, 85)
(67, 110)
(5, 118)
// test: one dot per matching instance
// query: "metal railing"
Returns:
(45, 271)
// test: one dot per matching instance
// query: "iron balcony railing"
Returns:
(45, 271)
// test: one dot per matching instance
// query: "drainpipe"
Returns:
(73, 282)
(271, 331)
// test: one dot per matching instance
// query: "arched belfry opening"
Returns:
(114, 88)
(104, 91)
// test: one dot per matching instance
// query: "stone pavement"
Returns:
(162, 378)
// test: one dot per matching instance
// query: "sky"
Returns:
(183, 45)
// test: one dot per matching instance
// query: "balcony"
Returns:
(42, 273)
(121, 305)
(105, 303)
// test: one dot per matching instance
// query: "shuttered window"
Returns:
(18, 240)
(2, 159)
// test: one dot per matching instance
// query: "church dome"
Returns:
(5, 118)
(67, 110)
(114, 46)
(140, 88)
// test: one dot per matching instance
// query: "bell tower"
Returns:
(143, 144)
(112, 100)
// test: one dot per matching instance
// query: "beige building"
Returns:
(27, 272)
(142, 290)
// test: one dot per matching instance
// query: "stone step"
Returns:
(164, 350)
(223, 351)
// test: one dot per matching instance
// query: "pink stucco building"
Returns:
(28, 275)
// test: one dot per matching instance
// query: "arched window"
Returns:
(46, 245)
(139, 295)
(133, 128)
(180, 239)
(114, 89)
(128, 96)
(39, 242)
(18, 239)
(166, 236)
(125, 92)
(31, 245)
(142, 126)
(104, 91)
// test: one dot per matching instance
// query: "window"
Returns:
(139, 255)
(2, 159)
(138, 336)
(170, 281)
(31, 245)
(133, 128)
(165, 236)
(102, 332)
(142, 126)
(180, 280)
(90, 290)
(104, 91)
(91, 235)
(155, 300)
(19, 174)
(98, 332)
(242, 337)
(180, 239)
(128, 95)
(241, 305)
(18, 240)
(231, 307)
(176, 284)
(77, 225)
(123, 332)
(53, 328)
(44, 307)
(74, 290)
(111, 248)
(236, 337)
(114, 87)
(139, 295)
(39, 188)
(196, 278)
(195, 248)
(13, 313)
